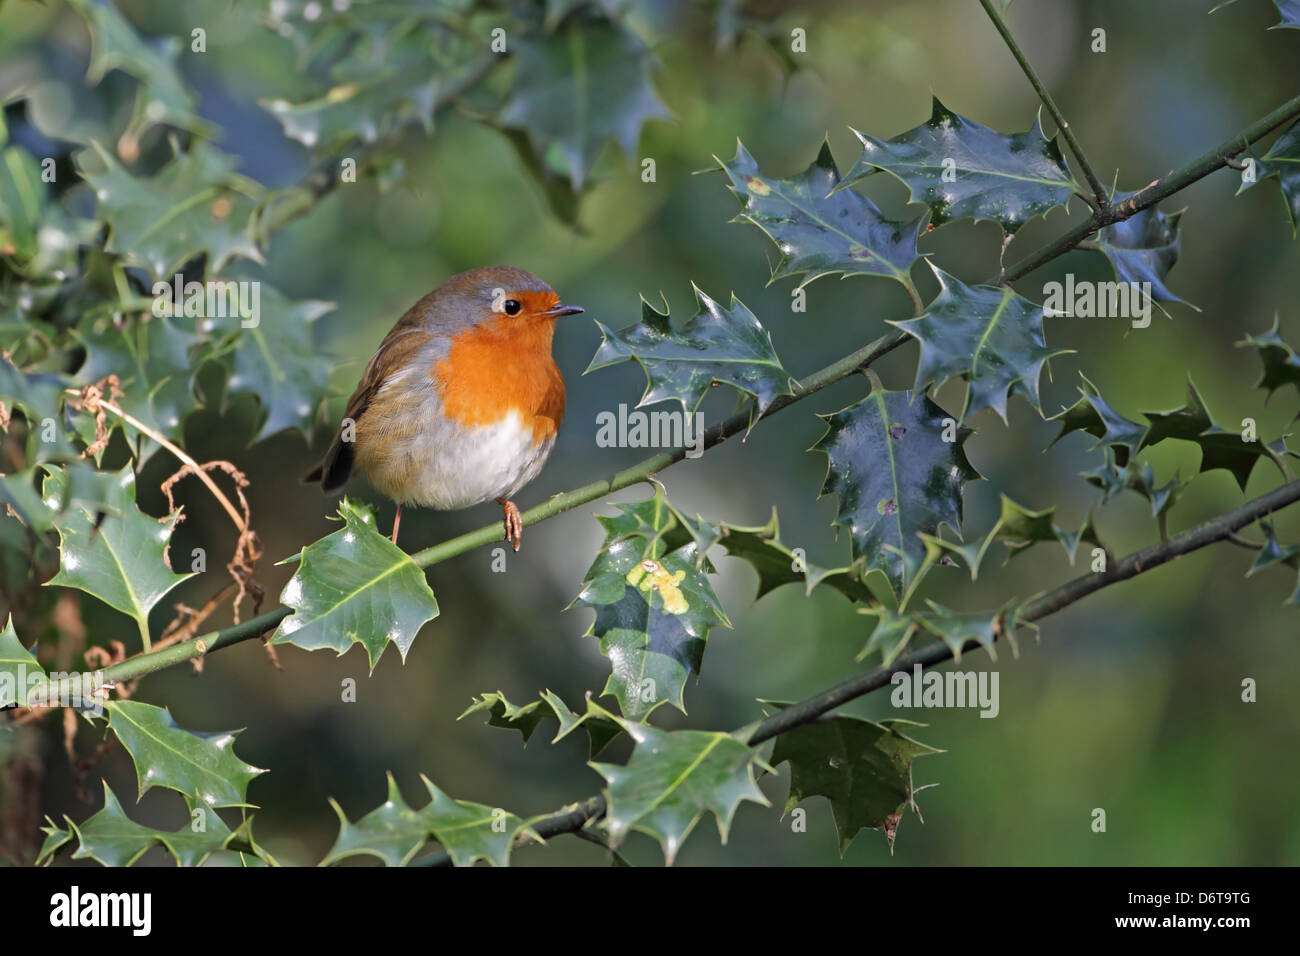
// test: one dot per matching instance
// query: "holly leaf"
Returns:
(202, 767)
(1272, 554)
(1092, 414)
(195, 204)
(111, 838)
(955, 628)
(776, 564)
(895, 477)
(578, 87)
(152, 358)
(672, 779)
(863, 768)
(818, 230)
(276, 359)
(56, 838)
(395, 833)
(501, 713)
(369, 99)
(1020, 529)
(990, 336)
(1280, 361)
(962, 170)
(654, 606)
(1220, 448)
(1113, 478)
(1143, 248)
(16, 666)
(40, 398)
(890, 635)
(355, 587)
(119, 557)
(1289, 9)
(115, 45)
(1283, 161)
(716, 345)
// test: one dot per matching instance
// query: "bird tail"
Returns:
(335, 468)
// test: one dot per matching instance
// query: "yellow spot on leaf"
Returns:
(650, 575)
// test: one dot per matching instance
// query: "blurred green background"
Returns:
(1130, 703)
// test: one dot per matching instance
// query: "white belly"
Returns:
(448, 468)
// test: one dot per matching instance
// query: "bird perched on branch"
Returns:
(462, 401)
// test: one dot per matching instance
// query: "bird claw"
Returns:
(514, 523)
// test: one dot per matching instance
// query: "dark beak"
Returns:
(562, 309)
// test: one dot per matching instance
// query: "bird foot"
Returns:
(514, 523)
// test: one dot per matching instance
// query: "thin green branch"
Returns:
(1223, 527)
(1176, 181)
(1100, 200)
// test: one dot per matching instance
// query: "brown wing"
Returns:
(393, 354)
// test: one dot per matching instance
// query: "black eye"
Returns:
(512, 306)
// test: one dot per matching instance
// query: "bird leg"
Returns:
(397, 520)
(513, 522)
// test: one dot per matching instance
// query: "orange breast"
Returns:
(502, 366)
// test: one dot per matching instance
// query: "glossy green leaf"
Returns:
(728, 346)
(56, 838)
(777, 564)
(40, 397)
(989, 336)
(277, 360)
(864, 769)
(1138, 476)
(195, 204)
(118, 559)
(355, 587)
(525, 719)
(672, 779)
(111, 838)
(1143, 248)
(654, 606)
(17, 666)
(1280, 361)
(819, 231)
(202, 767)
(962, 170)
(1282, 161)
(1220, 447)
(1092, 414)
(895, 477)
(115, 45)
(579, 87)
(395, 833)
(152, 359)
(1274, 553)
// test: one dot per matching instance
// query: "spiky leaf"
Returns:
(202, 767)
(17, 666)
(654, 606)
(579, 87)
(118, 559)
(1092, 414)
(525, 719)
(728, 346)
(195, 204)
(895, 477)
(355, 587)
(111, 838)
(864, 769)
(988, 335)
(672, 779)
(395, 833)
(819, 231)
(960, 169)
(1143, 248)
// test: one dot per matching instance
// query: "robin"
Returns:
(462, 401)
